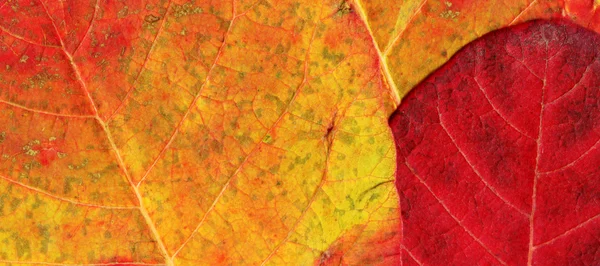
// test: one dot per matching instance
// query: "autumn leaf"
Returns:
(497, 152)
(215, 132)
(199, 132)
(416, 37)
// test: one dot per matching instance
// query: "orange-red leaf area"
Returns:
(497, 152)
(190, 132)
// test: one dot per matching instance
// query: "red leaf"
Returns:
(497, 152)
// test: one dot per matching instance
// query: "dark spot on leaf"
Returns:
(345, 8)
(151, 18)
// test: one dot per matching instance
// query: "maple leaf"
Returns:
(213, 132)
(497, 152)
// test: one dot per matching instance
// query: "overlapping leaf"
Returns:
(498, 152)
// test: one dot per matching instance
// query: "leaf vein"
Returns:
(451, 215)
